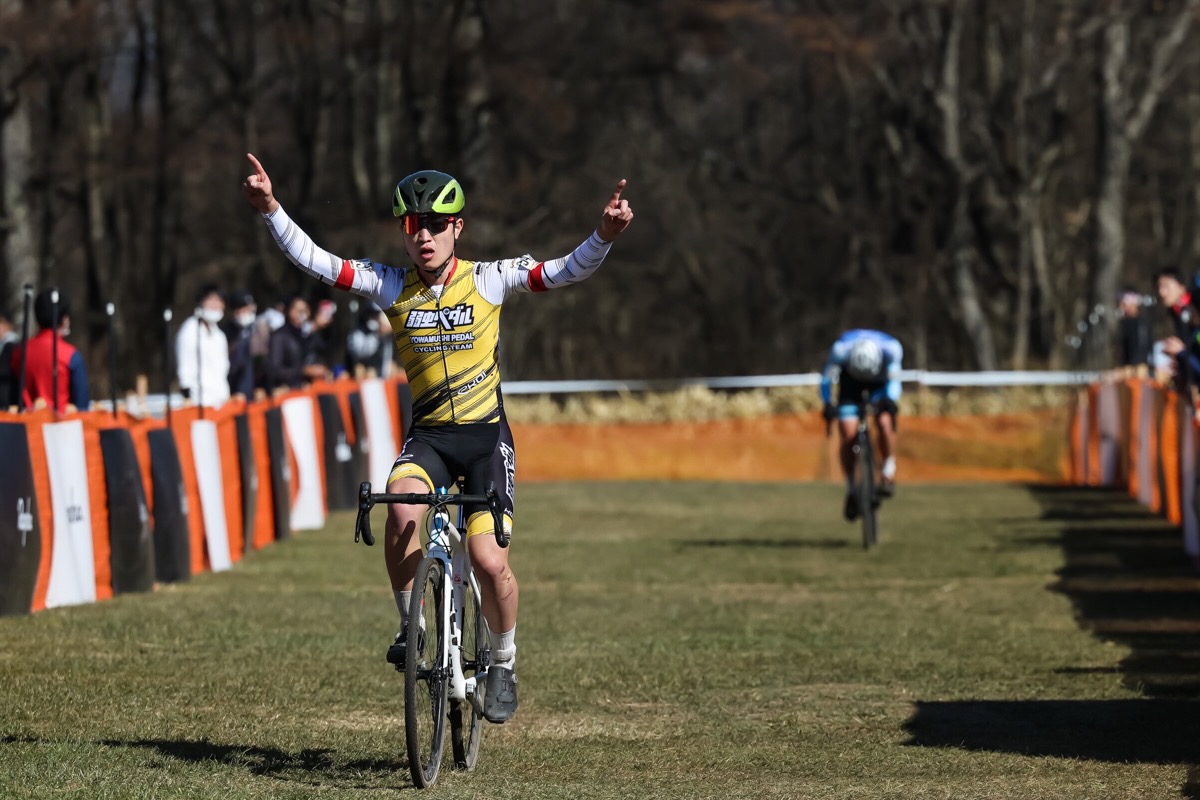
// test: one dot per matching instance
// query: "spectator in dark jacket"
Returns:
(290, 360)
(1182, 346)
(239, 329)
(370, 342)
(1134, 335)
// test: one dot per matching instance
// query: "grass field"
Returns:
(679, 640)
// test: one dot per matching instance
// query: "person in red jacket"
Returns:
(39, 367)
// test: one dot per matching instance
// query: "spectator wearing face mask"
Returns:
(39, 366)
(290, 362)
(238, 326)
(369, 343)
(202, 351)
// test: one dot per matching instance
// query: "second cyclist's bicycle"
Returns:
(864, 488)
(447, 647)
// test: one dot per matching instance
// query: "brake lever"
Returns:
(502, 536)
(362, 525)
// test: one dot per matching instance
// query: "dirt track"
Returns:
(1022, 447)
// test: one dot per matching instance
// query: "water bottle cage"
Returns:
(437, 528)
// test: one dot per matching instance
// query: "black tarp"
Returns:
(341, 484)
(172, 539)
(20, 532)
(249, 470)
(281, 474)
(362, 445)
(131, 537)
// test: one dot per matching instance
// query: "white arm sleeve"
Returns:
(382, 284)
(500, 279)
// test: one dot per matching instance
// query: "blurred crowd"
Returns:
(1166, 344)
(230, 346)
(227, 346)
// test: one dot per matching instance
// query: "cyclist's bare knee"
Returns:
(490, 560)
(403, 518)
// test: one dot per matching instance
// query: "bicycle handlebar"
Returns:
(366, 500)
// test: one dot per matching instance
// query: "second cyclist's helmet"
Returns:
(428, 192)
(865, 361)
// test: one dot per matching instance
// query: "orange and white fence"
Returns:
(1136, 435)
(99, 504)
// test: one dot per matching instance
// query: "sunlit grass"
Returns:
(676, 640)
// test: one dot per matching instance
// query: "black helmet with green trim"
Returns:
(428, 192)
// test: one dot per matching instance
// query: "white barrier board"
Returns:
(377, 416)
(308, 512)
(206, 454)
(72, 561)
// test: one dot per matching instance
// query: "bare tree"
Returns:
(1125, 111)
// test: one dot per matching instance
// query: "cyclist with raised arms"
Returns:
(445, 316)
(864, 360)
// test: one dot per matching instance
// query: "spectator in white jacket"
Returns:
(202, 351)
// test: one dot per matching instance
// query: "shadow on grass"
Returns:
(1147, 731)
(1130, 582)
(781, 544)
(317, 767)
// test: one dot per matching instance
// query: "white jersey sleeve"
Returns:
(380, 283)
(497, 280)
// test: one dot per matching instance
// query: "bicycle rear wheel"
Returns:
(466, 723)
(866, 492)
(425, 677)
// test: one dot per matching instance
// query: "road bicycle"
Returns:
(864, 476)
(865, 492)
(447, 646)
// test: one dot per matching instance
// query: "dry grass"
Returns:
(696, 403)
(682, 640)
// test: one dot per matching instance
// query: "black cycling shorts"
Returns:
(479, 452)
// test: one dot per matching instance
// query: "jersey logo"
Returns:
(445, 318)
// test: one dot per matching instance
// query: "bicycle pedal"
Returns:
(477, 696)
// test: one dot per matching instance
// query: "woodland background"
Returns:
(979, 178)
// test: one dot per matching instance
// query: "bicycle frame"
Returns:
(448, 545)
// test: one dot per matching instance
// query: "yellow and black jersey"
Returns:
(447, 336)
(448, 343)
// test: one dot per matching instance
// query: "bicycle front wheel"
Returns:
(866, 493)
(466, 723)
(425, 677)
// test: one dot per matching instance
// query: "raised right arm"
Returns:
(382, 284)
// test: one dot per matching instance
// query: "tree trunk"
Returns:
(949, 102)
(16, 221)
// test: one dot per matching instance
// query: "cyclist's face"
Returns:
(433, 242)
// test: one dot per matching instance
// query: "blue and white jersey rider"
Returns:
(862, 360)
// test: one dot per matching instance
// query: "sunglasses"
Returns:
(434, 223)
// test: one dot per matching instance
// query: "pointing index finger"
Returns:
(616, 195)
(258, 168)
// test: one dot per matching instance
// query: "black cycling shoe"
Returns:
(887, 487)
(500, 695)
(850, 512)
(398, 652)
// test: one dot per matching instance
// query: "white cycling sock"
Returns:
(403, 599)
(504, 648)
(889, 468)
